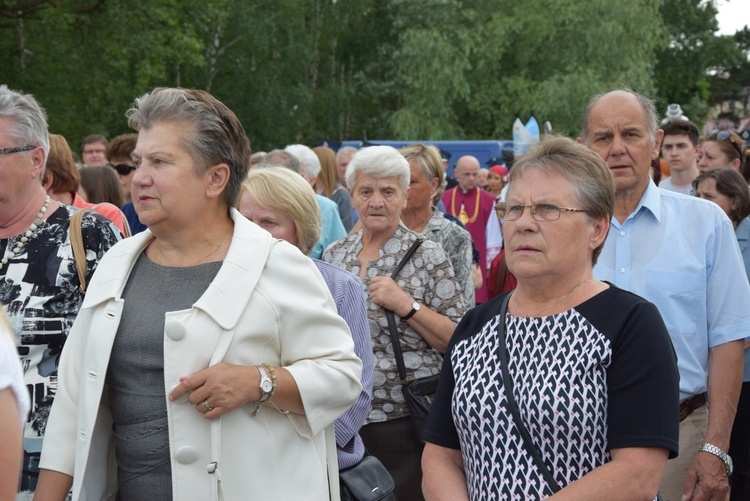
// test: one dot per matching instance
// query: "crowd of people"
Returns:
(214, 323)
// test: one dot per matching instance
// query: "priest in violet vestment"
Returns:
(472, 206)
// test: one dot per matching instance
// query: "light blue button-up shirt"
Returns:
(681, 254)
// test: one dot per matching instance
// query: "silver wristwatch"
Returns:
(712, 449)
(265, 385)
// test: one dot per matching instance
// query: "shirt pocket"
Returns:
(680, 297)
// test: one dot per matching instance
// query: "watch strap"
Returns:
(413, 312)
(716, 451)
(264, 395)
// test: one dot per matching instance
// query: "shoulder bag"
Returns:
(76, 243)
(418, 393)
(367, 480)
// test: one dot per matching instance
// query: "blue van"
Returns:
(482, 150)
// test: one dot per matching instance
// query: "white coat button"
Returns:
(183, 399)
(175, 330)
(186, 455)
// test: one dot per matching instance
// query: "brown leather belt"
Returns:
(688, 405)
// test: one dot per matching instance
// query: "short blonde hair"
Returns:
(287, 192)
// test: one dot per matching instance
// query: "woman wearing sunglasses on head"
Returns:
(722, 148)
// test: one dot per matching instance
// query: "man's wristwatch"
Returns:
(712, 449)
(415, 306)
(265, 385)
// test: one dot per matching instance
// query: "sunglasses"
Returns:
(725, 135)
(123, 169)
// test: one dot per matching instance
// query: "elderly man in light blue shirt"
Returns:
(680, 253)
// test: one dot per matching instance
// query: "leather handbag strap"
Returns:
(390, 316)
(76, 242)
(508, 384)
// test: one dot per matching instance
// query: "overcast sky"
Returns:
(733, 15)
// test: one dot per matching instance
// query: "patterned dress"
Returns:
(598, 377)
(429, 278)
(40, 293)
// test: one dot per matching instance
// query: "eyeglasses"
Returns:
(15, 149)
(540, 212)
(123, 169)
(725, 135)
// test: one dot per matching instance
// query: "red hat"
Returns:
(499, 169)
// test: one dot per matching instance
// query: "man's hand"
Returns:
(709, 475)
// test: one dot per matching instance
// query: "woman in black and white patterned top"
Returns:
(593, 371)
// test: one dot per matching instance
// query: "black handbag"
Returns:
(418, 393)
(367, 480)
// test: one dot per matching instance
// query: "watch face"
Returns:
(266, 386)
(730, 465)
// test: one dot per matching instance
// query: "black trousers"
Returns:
(393, 443)
(739, 447)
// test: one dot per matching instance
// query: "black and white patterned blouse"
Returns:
(429, 278)
(598, 377)
(40, 292)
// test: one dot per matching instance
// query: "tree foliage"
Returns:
(305, 70)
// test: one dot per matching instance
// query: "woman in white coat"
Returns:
(208, 361)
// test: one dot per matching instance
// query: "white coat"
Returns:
(268, 303)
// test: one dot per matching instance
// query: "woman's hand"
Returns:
(386, 293)
(219, 389)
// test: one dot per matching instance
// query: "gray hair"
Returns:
(379, 162)
(652, 117)
(345, 151)
(308, 160)
(218, 135)
(280, 158)
(591, 178)
(29, 120)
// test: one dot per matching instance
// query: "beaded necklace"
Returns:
(26, 236)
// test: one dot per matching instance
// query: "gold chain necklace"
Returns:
(563, 298)
(463, 216)
(161, 256)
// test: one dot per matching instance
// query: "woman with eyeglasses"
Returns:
(728, 189)
(590, 367)
(722, 148)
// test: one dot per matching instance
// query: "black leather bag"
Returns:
(367, 480)
(418, 395)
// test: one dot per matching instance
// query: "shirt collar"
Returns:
(651, 201)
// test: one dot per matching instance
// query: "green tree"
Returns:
(690, 52)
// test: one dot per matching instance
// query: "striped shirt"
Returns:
(351, 304)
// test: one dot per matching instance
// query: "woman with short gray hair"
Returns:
(425, 298)
(186, 357)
